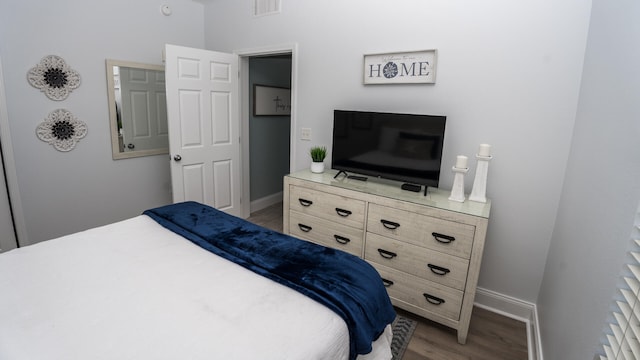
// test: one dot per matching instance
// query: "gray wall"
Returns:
(268, 135)
(508, 75)
(601, 191)
(60, 192)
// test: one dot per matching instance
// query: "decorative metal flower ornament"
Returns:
(54, 77)
(62, 130)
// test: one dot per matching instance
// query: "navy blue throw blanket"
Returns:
(344, 283)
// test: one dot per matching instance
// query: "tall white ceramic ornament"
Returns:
(478, 193)
(459, 170)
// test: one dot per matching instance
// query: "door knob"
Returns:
(177, 158)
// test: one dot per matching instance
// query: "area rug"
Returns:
(403, 329)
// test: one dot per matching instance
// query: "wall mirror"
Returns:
(137, 109)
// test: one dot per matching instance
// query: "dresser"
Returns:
(427, 249)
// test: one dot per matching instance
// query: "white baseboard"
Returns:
(516, 309)
(266, 201)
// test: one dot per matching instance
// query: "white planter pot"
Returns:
(317, 167)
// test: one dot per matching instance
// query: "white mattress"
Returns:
(134, 290)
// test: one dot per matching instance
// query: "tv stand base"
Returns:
(354, 177)
(357, 177)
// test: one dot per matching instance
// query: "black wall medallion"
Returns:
(62, 130)
(54, 77)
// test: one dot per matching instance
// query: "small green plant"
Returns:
(318, 153)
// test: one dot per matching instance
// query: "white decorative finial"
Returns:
(478, 193)
(460, 169)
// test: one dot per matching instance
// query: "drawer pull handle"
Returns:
(305, 228)
(445, 239)
(343, 212)
(438, 270)
(386, 282)
(305, 202)
(341, 239)
(387, 254)
(433, 299)
(389, 224)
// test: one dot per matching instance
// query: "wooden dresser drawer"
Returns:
(338, 209)
(435, 298)
(444, 269)
(326, 233)
(437, 234)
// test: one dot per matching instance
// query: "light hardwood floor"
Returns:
(491, 336)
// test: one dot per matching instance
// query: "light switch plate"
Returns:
(305, 134)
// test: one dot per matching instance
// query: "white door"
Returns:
(144, 109)
(204, 127)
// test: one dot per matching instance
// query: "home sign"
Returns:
(416, 67)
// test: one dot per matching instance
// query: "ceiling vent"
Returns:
(266, 7)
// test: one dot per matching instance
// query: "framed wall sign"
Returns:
(415, 67)
(271, 101)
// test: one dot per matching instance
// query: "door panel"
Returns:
(204, 127)
(222, 174)
(193, 180)
(221, 118)
(190, 118)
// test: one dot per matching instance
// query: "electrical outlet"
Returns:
(305, 134)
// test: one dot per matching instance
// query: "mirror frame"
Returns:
(113, 117)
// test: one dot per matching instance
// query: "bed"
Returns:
(138, 289)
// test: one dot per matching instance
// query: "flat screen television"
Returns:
(403, 147)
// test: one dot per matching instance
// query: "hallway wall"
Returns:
(269, 136)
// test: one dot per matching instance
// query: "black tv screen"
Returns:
(404, 147)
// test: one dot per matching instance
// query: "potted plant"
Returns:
(318, 153)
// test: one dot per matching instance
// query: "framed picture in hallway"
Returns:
(271, 101)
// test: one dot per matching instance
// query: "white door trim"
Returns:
(10, 167)
(244, 55)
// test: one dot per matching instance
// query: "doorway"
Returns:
(10, 220)
(267, 145)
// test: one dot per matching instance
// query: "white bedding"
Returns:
(134, 290)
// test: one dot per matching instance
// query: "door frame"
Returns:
(10, 168)
(244, 56)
